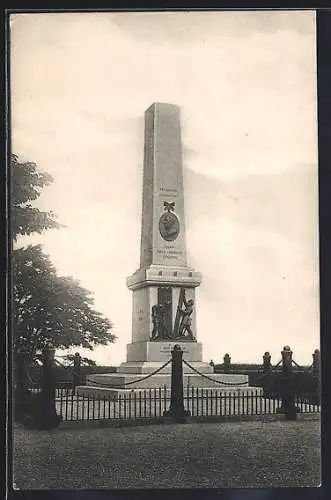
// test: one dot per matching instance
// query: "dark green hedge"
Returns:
(306, 386)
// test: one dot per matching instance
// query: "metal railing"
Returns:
(151, 404)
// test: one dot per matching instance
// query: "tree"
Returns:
(26, 185)
(69, 358)
(47, 308)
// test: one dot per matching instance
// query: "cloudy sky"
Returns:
(246, 85)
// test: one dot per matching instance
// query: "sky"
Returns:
(246, 85)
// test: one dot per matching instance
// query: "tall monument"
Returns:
(164, 286)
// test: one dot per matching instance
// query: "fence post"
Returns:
(76, 379)
(267, 368)
(316, 373)
(23, 397)
(287, 390)
(316, 362)
(226, 363)
(48, 418)
(22, 380)
(177, 411)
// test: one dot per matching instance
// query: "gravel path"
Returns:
(212, 455)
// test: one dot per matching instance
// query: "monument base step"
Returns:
(121, 393)
(137, 381)
(145, 367)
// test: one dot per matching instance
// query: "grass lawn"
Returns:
(209, 455)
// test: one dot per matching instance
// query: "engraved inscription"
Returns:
(170, 254)
(169, 347)
(140, 313)
(168, 192)
(173, 252)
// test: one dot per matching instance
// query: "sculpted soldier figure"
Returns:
(186, 321)
(159, 312)
(156, 321)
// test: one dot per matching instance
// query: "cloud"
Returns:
(284, 202)
(188, 27)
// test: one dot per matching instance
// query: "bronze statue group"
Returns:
(182, 329)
